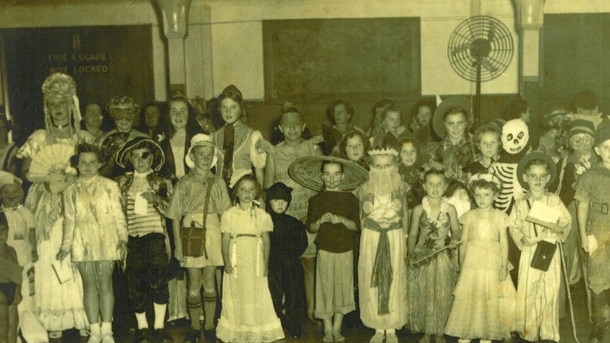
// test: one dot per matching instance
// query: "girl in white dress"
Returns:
(483, 290)
(95, 232)
(247, 309)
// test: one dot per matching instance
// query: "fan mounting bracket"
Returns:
(480, 48)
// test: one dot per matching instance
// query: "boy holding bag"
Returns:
(198, 201)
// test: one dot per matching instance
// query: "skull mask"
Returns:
(515, 136)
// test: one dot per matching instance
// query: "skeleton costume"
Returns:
(515, 140)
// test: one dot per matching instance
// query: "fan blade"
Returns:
(461, 48)
(491, 35)
(488, 65)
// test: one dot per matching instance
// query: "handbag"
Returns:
(194, 238)
(543, 255)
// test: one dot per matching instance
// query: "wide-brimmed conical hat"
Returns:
(306, 172)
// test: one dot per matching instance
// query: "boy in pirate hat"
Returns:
(145, 196)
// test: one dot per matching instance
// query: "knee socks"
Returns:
(209, 305)
(195, 312)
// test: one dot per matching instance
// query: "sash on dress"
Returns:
(382, 268)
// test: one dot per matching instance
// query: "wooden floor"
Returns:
(312, 331)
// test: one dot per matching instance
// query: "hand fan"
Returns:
(51, 163)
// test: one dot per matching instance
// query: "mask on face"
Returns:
(515, 136)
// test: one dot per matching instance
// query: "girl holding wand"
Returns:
(434, 226)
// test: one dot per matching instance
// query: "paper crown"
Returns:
(384, 151)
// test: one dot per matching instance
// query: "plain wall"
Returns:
(224, 42)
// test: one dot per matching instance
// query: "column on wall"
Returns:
(530, 16)
(175, 22)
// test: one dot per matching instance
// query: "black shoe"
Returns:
(161, 336)
(192, 336)
(178, 323)
(294, 329)
(143, 336)
(210, 335)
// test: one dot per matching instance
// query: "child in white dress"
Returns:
(483, 290)
(21, 237)
(95, 232)
(247, 309)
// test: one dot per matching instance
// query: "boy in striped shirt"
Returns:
(145, 196)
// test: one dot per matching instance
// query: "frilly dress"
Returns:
(58, 306)
(247, 309)
(484, 307)
(94, 222)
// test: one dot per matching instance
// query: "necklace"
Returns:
(60, 126)
(441, 218)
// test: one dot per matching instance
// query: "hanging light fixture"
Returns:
(175, 17)
(530, 14)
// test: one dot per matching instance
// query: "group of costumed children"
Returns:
(398, 241)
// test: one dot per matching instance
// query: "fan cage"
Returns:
(484, 41)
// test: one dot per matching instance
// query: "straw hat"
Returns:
(201, 139)
(532, 156)
(306, 172)
(123, 155)
(438, 120)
